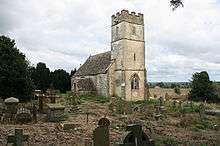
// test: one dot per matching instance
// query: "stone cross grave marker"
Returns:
(101, 133)
(18, 138)
(41, 103)
(134, 136)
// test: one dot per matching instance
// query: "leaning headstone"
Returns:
(134, 136)
(101, 133)
(18, 138)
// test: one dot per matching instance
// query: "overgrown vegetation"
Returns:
(96, 98)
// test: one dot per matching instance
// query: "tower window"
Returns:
(134, 57)
(135, 82)
(133, 31)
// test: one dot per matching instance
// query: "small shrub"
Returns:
(177, 90)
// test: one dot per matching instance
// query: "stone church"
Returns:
(120, 72)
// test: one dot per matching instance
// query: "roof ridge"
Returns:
(100, 53)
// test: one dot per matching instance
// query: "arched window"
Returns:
(135, 82)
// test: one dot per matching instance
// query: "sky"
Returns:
(63, 33)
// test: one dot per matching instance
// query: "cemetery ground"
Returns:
(166, 122)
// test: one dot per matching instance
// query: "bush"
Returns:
(177, 90)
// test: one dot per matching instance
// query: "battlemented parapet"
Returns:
(128, 17)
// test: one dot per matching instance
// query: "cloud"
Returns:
(64, 33)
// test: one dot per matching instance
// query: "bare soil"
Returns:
(167, 130)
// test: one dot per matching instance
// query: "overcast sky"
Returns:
(63, 33)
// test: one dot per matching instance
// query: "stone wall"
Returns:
(102, 84)
(161, 92)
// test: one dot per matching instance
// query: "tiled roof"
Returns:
(96, 64)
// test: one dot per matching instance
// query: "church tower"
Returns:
(128, 56)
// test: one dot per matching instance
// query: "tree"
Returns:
(60, 80)
(14, 71)
(161, 84)
(41, 77)
(217, 89)
(73, 72)
(176, 4)
(202, 88)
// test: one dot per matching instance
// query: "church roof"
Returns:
(96, 64)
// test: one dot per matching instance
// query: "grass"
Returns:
(148, 101)
(98, 99)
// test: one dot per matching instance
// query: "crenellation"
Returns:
(128, 17)
(133, 13)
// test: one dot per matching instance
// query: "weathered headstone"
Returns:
(101, 133)
(52, 99)
(23, 116)
(214, 112)
(134, 136)
(69, 126)
(11, 109)
(161, 101)
(11, 105)
(55, 112)
(18, 138)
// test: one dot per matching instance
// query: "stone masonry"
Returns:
(120, 72)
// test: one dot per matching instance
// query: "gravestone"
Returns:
(101, 133)
(134, 136)
(69, 126)
(52, 99)
(10, 109)
(23, 116)
(55, 112)
(18, 138)
(214, 112)
(11, 105)
(161, 101)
